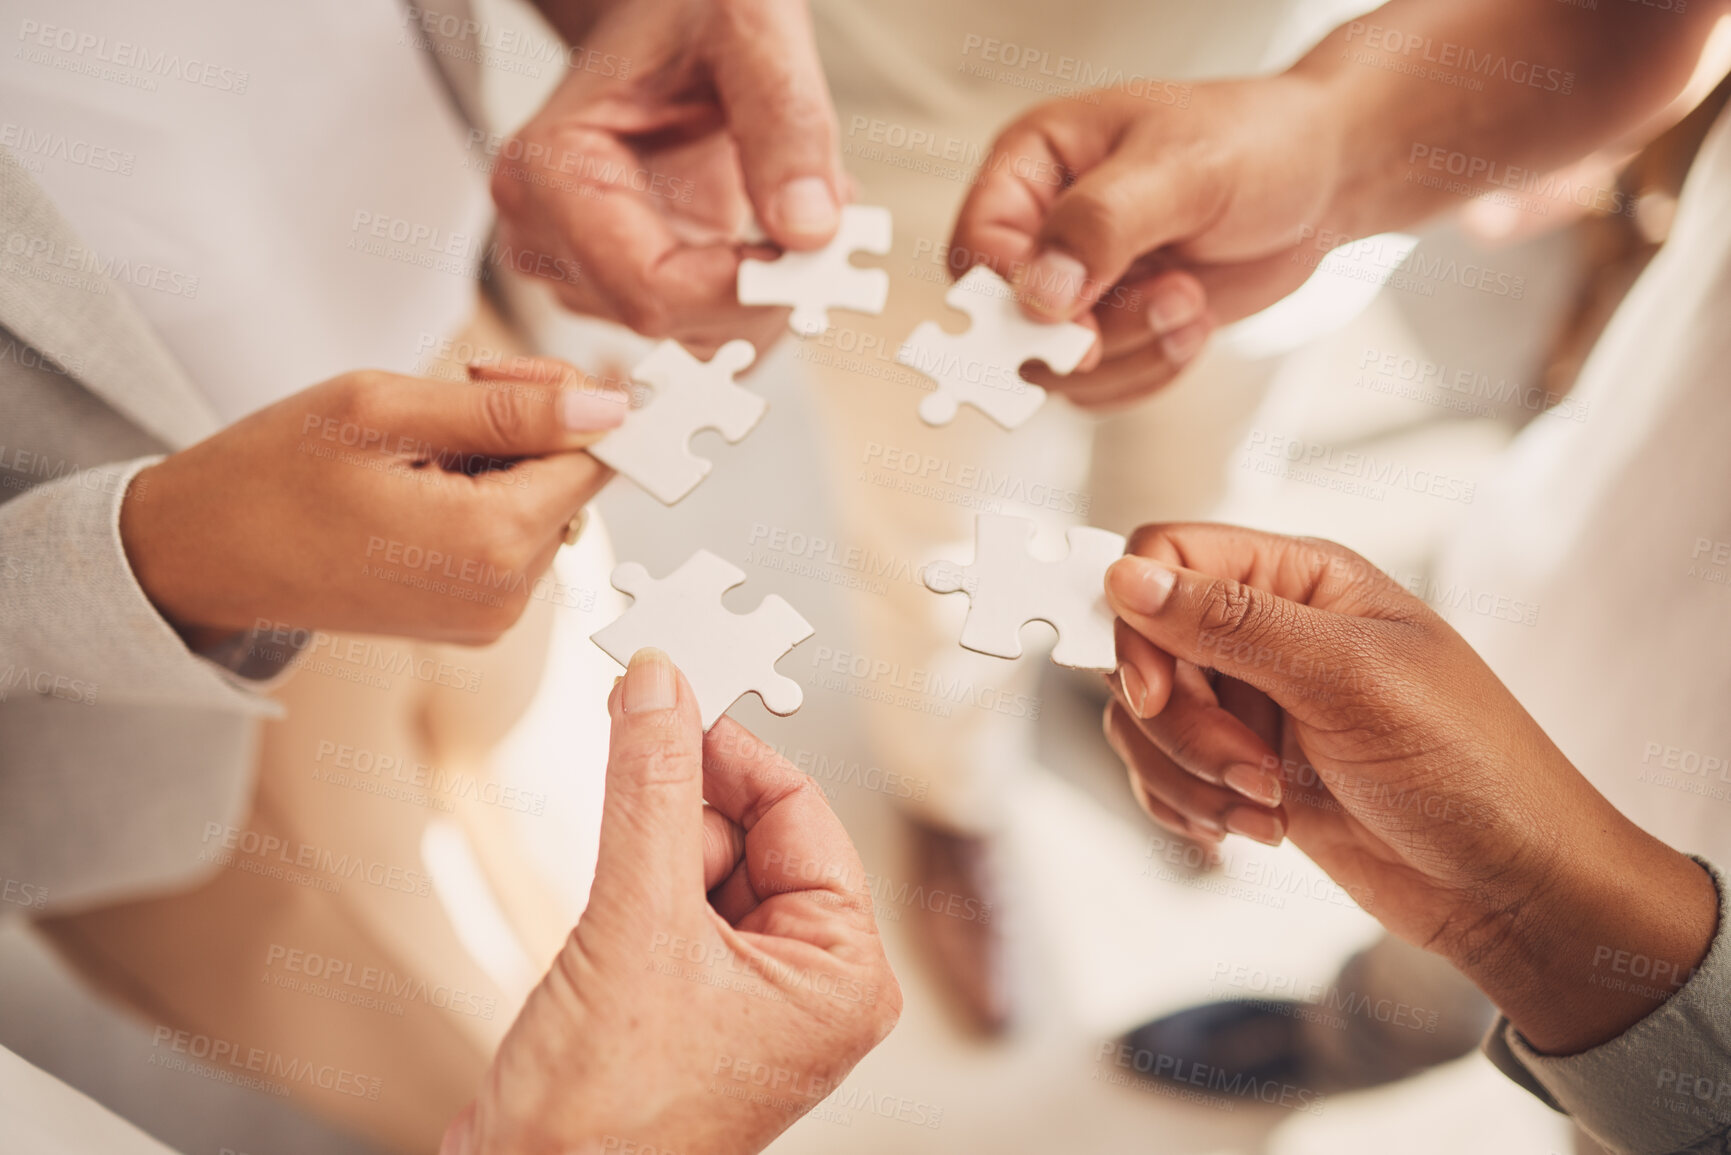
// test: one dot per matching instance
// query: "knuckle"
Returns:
(660, 756)
(1144, 538)
(1090, 222)
(355, 395)
(1228, 610)
(887, 1011)
(485, 623)
(509, 189)
(646, 315)
(502, 617)
(504, 415)
(1183, 745)
(1114, 721)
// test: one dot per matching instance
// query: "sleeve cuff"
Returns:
(1664, 1085)
(83, 615)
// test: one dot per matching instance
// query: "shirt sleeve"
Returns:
(1661, 1087)
(74, 622)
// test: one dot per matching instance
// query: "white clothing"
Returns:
(282, 191)
(1617, 532)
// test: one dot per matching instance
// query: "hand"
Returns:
(643, 173)
(1153, 220)
(1273, 685)
(676, 1021)
(374, 503)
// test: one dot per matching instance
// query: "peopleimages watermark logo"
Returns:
(122, 62)
(1458, 387)
(1040, 70)
(1424, 56)
(1354, 472)
(84, 269)
(369, 987)
(33, 146)
(257, 1067)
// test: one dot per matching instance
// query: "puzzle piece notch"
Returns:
(815, 282)
(1008, 587)
(724, 655)
(983, 366)
(653, 446)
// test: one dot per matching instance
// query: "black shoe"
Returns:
(1249, 1052)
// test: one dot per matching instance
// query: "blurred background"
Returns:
(1076, 919)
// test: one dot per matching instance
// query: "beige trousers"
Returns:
(324, 942)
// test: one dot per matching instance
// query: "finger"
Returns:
(723, 846)
(1292, 617)
(1153, 807)
(1129, 377)
(1236, 290)
(651, 859)
(491, 421)
(1144, 675)
(1205, 739)
(1254, 708)
(733, 897)
(1018, 182)
(600, 390)
(1137, 311)
(549, 491)
(625, 260)
(637, 269)
(778, 109)
(1156, 302)
(1314, 572)
(1202, 807)
(1113, 214)
(794, 842)
(523, 367)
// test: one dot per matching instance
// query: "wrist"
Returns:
(1357, 178)
(1560, 961)
(148, 539)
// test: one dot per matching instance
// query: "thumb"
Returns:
(778, 109)
(650, 864)
(503, 414)
(1095, 230)
(1302, 657)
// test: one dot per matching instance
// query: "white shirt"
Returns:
(240, 168)
(1617, 531)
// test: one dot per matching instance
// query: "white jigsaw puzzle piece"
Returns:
(983, 367)
(724, 655)
(1008, 587)
(653, 446)
(815, 282)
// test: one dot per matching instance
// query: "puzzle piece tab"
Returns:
(1008, 587)
(982, 367)
(815, 282)
(723, 654)
(653, 446)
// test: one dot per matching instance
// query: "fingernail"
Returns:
(1258, 825)
(1170, 308)
(1140, 584)
(589, 410)
(1207, 826)
(1053, 283)
(1135, 689)
(650, 682)
(1253, 782)
(806, 208)
(1182, 346)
